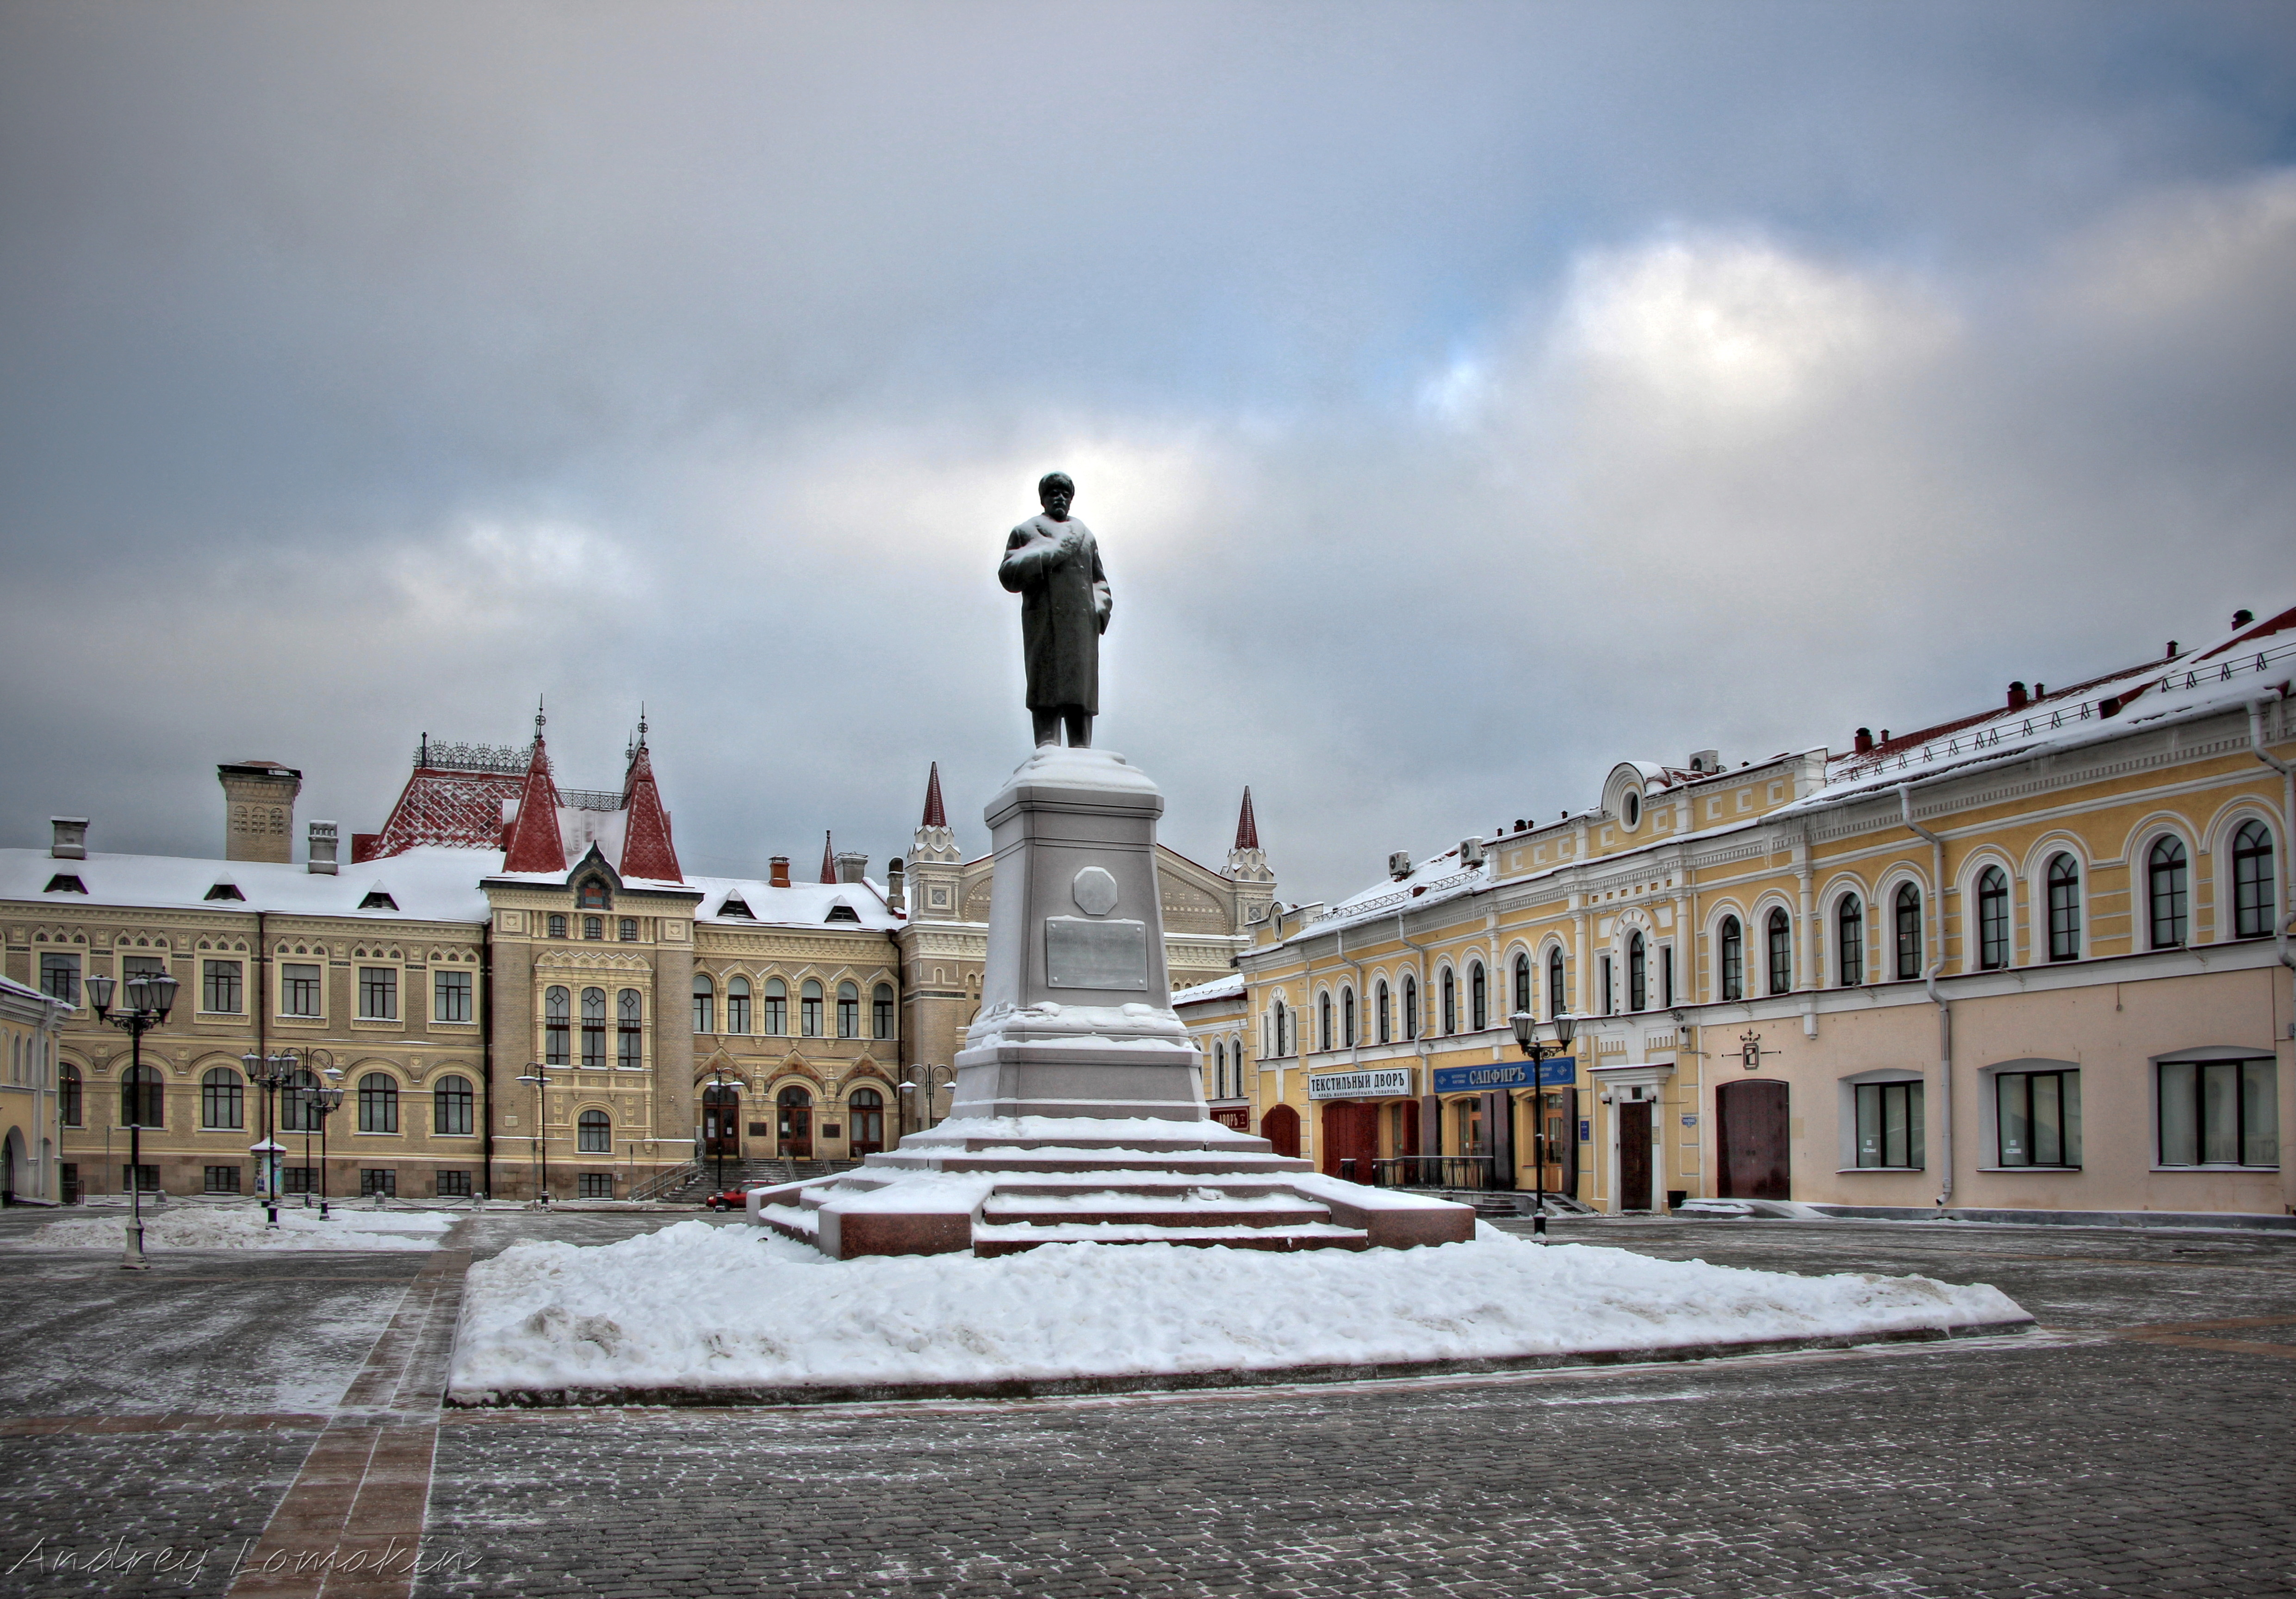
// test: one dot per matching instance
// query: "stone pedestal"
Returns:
(1076, 1015)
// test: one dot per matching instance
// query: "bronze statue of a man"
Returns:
(1052, 563)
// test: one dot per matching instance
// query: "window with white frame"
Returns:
(2220, 1112)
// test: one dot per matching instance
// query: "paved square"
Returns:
(2144, 1443)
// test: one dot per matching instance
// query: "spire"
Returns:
(1247, 827)
(533, 843)
(828, 859)
(936, 814)
(646, 847)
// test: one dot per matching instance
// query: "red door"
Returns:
(1750, 1137)
(1281, 1128)
(1350, 1140)
(1635, 1155)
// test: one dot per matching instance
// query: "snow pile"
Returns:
(213, 1227)
(694, 1306)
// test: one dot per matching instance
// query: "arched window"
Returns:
(1449, 989)
(864, 1116)
(453, 1107)
(705, 1006)
(1781, 932)
(593, 927)
(1523, 993)
(1557, 1000)
(1220, 1071)
(594, 1029)
(1734, 959)
(737, 1004)
(70, 1107)
(1850, 938)
(2251, 882)
(1282, 1044)
(1347, 1017)
(558, 1017)
(1381, 1003)
(1637, 974)
(594, 1133)
(1410, 1005)
(557, 924)
(881, 1012)
(808, 1008)
(776, 1018)
(223, 1098)
(299, 1112)
(2064, 908)
(1324, 1019)
(630, 1021)
(2165, 871)
(848, 1011)
(1909, 933)
(1478, 998)
(378, 1100)
(1992, 919)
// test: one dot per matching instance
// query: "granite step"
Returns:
(992, 1240)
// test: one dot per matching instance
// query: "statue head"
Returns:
(1055, 491)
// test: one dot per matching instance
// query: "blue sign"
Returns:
(1558, 1073)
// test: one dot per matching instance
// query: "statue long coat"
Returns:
(1054, 567)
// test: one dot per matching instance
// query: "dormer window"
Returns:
(843, 912)
(377, 899)
(64, 882)
(593, 896)
(226, 891)
(735, 905)
(1633, 810)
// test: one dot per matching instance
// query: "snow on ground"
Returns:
(215, 1227)
(696, 1306)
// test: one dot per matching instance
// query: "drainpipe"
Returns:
(1929, 981)
(486, 1055)
(2287, 812)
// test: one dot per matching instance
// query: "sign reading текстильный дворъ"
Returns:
(1558, 1073)
(1387, 1083)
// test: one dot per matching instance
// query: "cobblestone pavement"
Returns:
(2125, 1451)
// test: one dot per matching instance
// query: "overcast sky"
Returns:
(1465, 398)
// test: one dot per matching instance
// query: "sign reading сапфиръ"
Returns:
(1387, 1082)
(1558, 1073)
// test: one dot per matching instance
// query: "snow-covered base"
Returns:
(695, 1307)
(211, 1227)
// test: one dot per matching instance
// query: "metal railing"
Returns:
(663, 1182)
(1428, 1171)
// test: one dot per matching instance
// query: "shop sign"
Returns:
(1388, 1082)
(1558, 1073)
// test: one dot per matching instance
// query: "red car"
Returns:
(729, 1199)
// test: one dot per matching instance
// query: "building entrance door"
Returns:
(1634, 1154)
(795, 1140)
(1751, 1138)
(721, 1123)
(1558, 1111)
(866, 1111)
(1350, 1140)
(1281, 1128)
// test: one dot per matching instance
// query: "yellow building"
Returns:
(2033, 959)
(30, 1170)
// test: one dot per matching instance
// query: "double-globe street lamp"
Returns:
(1526, 1034)
(538, 1075)
(932, 1079)
(270, 1073)
(150, 995)
(322, 1101)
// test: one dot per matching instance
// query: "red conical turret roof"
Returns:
(936, 814)
(828, 860)
(535, 843)
(646, 849)
(1247, 827)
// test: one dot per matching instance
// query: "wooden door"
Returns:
(1350, 1140)
(1750, 1137)
(796, 1131)
(1281, 1128)
(1634, 1154)
(721, 1123)
(1558, 1111)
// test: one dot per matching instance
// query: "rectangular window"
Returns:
(222, 1179)
(383, 1181)
(141, 965)
(1890, 1125)
(776, 1010)
(737, 1010)
(219, 987)
(454, 1185)
(146, 1178)
(59, 977)
(595, 1185)
(881, 1014)
(378, 994)
(299, 1179)
(450, 997)
(2219, 1113)
(2039, 1118)
(298, 990)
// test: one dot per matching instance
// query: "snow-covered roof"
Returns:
(1430, 881)
(1230, 986)
(428, 884)
(801, 904)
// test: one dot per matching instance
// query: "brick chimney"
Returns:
(2017, 698)
(258, 810)
(70, 838)
(780, 878)
(852, 865)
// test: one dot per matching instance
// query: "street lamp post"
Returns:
(929, 1078)
(150, 997)
(1526, 1034)
(715, 1122)
(538, 1075)
(271, 1073)
(324, 1102)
